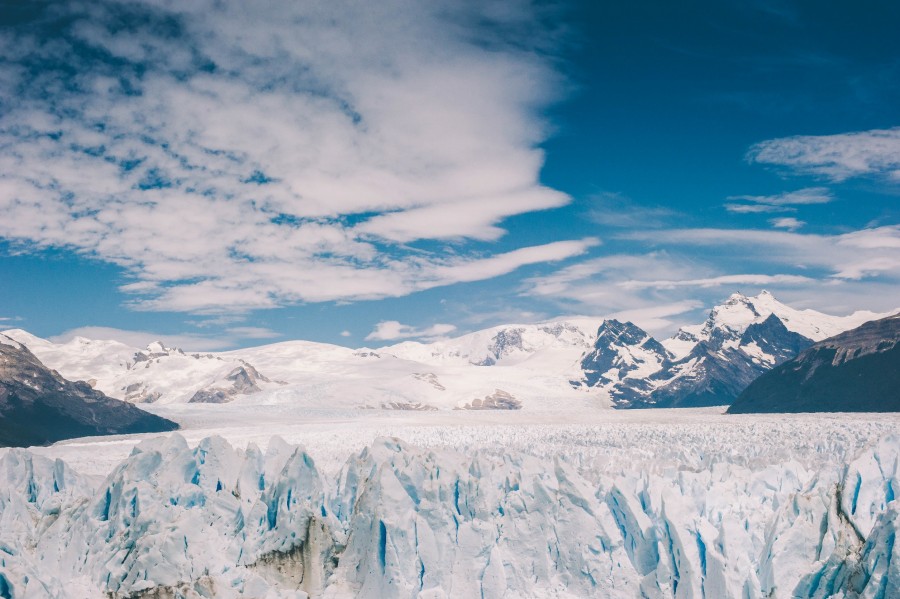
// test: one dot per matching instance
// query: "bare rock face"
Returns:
(498, 400)
(139, 393)
(38, 406)
(430, 378)
(244, 381)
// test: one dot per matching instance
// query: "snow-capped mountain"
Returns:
(730, 319)
(706, 364)
(533, 366)
(550, 345)
(855, 371)
(39, 406)
(555, 365)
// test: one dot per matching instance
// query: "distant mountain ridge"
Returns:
(558, 364)
(855, 371)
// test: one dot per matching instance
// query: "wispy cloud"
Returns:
(617, 210)
(597, 287)
(836, 157)
(733, 281)
(834, 273)
(788, 222)
(856, 255)
(392, 330)
(783, 202)
(6, 322)
(231, 157)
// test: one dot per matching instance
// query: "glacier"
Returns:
(702, 506)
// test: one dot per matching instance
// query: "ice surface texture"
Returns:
(765, 509)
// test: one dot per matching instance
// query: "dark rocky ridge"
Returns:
(38, 406)
(856, 371)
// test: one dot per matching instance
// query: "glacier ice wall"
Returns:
(701, 520)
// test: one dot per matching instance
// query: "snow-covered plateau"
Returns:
(279, 501)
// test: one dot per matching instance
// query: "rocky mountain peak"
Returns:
(709, 364)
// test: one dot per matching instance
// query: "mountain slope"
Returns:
(856, 371)
(38, 406)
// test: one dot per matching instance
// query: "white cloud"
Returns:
(233, 157)
(599, 287)
(834, 254)
(265, 285)
(731, 281)
(346, 334)
(790, 223)
(392, 330)
(252, 332)
(834, 273)
(782, 202)
(756, 208)
(836, 157)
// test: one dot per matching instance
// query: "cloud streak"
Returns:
(856, 255)
(827, 272)
(232, 158)
(783, 202)
(836, 157)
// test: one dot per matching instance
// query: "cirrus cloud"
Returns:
(783, 202)
(836, 157)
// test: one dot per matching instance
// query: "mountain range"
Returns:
(546, 366)
(710, 363)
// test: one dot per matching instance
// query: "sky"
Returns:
(222, 175)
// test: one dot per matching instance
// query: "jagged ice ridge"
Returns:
(799, 507)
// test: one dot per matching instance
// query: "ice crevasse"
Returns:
(403, 521)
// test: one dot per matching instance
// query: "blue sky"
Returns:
(364, 173)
